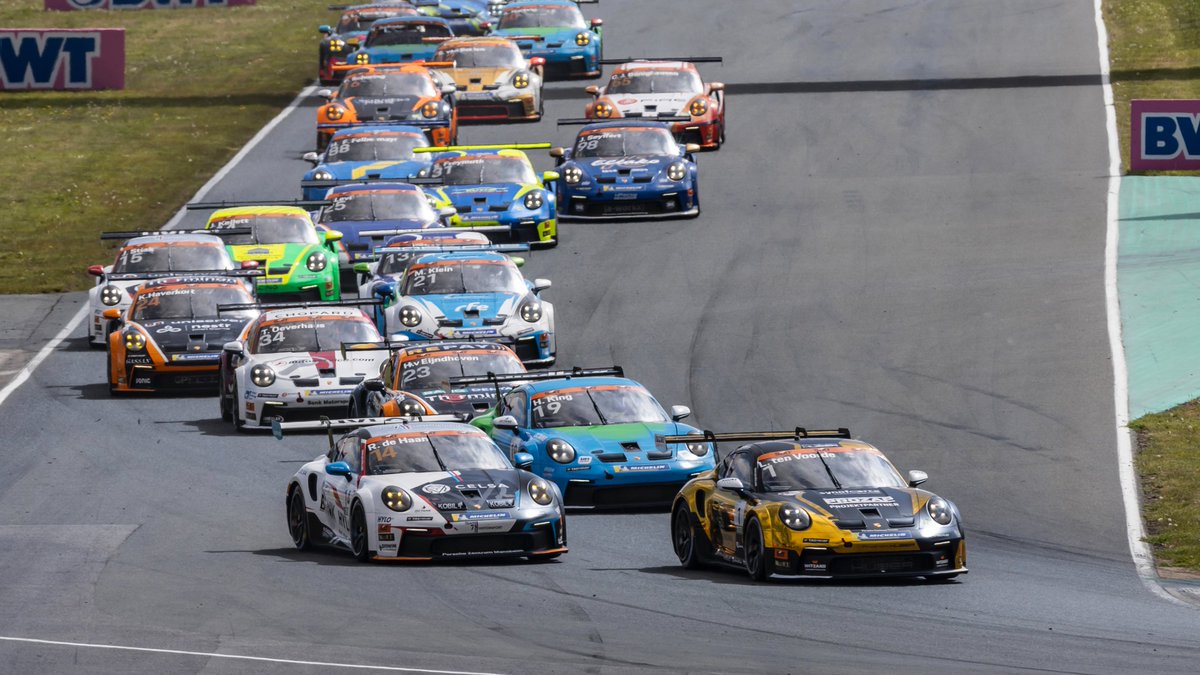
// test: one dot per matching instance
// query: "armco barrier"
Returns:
(68, 5)
(62, 58)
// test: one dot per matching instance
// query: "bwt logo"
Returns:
(62, 59)
(1164, 135)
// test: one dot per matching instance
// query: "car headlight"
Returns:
(534, 200)
(560, 451)
(337, 45)
(795, 517)
(316, 261)
(677, 171)
(521, 80)
(583, 39)
(939, 510)
(572, 174)
(410, 316)
(262, 376)
(539, 492)
(698, 107)
(111, 295)
(531, 310)
(335, 112)
(698, 449)
(322, 175)
(396, 499)
(430, 109)
(410, 407)
(362, 57)
(134, 341)
(603, 110)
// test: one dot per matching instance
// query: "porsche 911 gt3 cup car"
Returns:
(664, 88)
(466, 17)
(399, 40)
(422, 489)
(289, 361)
(378, 279)
(299, 262)
(596, 435)
(174, 251)
(555, 30)
(479, 295)
(172, 335)
(402, 94)
(626, 169)
(372, 152)
(353, 26)
(815, 504)
(417, 376)
(493, 80)
(495, 186)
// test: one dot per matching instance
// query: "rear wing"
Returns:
(278, 426)
(799, 433)
(132, 276)
(482, 229)
(465, 248)
(350, 68)
(687, 59)
(493, 378)
(130, 235)
(587, 120)
(212, 206)
(242, 306)
(491, 146)
(337, 182)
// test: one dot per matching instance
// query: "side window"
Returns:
(347, 451)
(723, 470)
(743, 468)
(386, 372)
(515, 404)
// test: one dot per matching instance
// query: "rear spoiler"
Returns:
(493, 146)
(493, 378)
(350, 68)
(219, 233)
(212, 206)
(619, 120)
(799, 433)
(336, 182)
(132, 276)
(482, 229)
(465, 248)
(242, 306)
(688, 59)
(278, 426)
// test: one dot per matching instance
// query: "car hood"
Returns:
(291, 365)
(633, 164)
(471, 491)
(551, 34)
(474, 400)
(472, 308)
(268, 254)
(871, 508)
(474, 79)
(479, 198)
(396, 53)
(650, 105)
(637, 441)
(353, 239)
(193, 335)
(379, 169)
(386, 107)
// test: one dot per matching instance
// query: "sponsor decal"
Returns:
(781, 554)
(815, 541)
(418, 519)
(855, 502)
(202, 358)
(885, 535)
(814, 566)
(1164, 134)
(435, 489)
(640, 468)
(329, 392)
(480, 486)
(81, 58)
(469, 554)
(624, 162)
(584, 459)
(141, 380)
(387, 537)
(570, 468)
(68, 5)
(475, 331)
(169, 329)
(472, 307)
(479, 515)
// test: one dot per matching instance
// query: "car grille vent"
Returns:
(611, 457)
(642, 179)
(498, 208)
(306, 381)
(631, 447)
(472, 494)
(606, 181)
(869, 513)
(350, 380)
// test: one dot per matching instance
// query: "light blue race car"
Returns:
(556, 31)
(466, 17)
(596, 435)
(372, 152)
(401, 40)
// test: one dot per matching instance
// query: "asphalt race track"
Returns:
(904, 235)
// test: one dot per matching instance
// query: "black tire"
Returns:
(238, 425)
(297, 516)
(227, 411)
(359, 544)
(754, 552)
(686, 538)
(112, 387)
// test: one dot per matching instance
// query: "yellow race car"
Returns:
(814, 503)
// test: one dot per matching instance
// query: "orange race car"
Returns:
(407, 93)
(647, 89)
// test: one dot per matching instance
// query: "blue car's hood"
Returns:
(355, 170)
(356, 243)
(617, 438)
(550, 34)
(473, 308)
(638, 165)
(395, 53)
(481, 197)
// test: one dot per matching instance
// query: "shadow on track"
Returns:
(730, 576)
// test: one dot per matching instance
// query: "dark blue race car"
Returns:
(626, 169)
(466, 17)
(369, 152)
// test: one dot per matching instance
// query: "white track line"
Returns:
(42, 354)
(1143, 558)
(238, 657)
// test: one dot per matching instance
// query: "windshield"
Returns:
(477, 170)
(434, 371)
(192, 302)
(379, 205)
(802, 469)
(391, 84)
(357, 22)
(393, 147)
(655, 82)
(406, 34)
(268, 230)
(542, 16)
(480, 56)
(463, 276)
(625, 142)
(312, 334)
(432, 451)
(171, 257)
(588, 406)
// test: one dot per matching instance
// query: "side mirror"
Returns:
(397, 337)
(332, 235)
(446, 211)
(362, 268)
(556, 152)
(523, 460)
(680, 412)
(375, 384)
(506, 422)
(338, 469)
(537, 62)
(548, 176)
(596, 23)
(517, 260)
(325, 93)
(449, 88)
(716, 86)
(692, 147)
(111, 314)
(592, 89)
(324, 29)
(915, 478)
(540, 285)
(233, 347)
(249, 264)
(96, 270)
(311, 157)
(732, 484)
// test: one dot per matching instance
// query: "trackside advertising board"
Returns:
(67, 5)
(62, 58)
(1164, 135)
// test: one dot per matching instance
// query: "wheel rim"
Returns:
(754, 548)
(683, 536)
(358, 534)
(296, 518)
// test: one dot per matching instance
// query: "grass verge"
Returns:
(199, 83)
(1168, 462)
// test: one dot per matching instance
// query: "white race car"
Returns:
(290, 361)
(144, 254)
(422, 489)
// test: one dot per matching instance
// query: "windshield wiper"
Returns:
(836, 483)
(595, 407)
(435, 454)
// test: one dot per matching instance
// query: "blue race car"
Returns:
(374, 152)
(495, 186)
(556, 31)
(596, 435)
(466, 17)
(401, 40)
(355, 23)
(378, 279)
(627, 169)
(477, 294)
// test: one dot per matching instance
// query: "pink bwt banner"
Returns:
(68, 5)
(62, 58)
(1164, 135)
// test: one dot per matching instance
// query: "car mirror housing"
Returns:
(540, 285)
(523, 460)
(556, 152)
(111, 314)
(692, 147)
(338, 469)
(731, 483)
(505, 422)
(375, 384)
(550, 176)
(332, 235)
(311, 157)
(96, 270)
(915, 478)
(233, 347)
(679, 412)
(362, 267)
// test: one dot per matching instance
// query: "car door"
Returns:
(727, 508)
(337, 492)
(514, 403)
